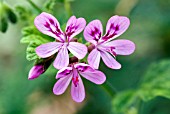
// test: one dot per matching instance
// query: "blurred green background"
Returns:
(142, 85)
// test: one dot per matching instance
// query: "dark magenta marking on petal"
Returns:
(116, 28)
(75, 81)
(70, 33)
(111, 35)
(71, 29)
(57, 32)
(47, 25)
(96, 34)
(111, 50)
(51, 21)
(82, 68)
(66, 72)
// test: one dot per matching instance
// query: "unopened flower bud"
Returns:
(36, 71)
(40, 67)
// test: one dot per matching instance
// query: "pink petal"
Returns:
(122, 47)
(109, 60)
(61, 85)
(93, 31)
(35, 71)
(96, 76)
(78, 92)
(94, 58)
(82, 67)
(64, 72)
(62, 59)
(77, 49)
(49, 25)
(116, 26)
(74, 26)
(48, 49)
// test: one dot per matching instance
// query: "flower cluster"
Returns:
(70, 69)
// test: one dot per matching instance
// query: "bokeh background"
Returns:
(149, 29)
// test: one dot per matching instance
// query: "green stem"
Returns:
(67, 7)
(109, 88)
(35, 6)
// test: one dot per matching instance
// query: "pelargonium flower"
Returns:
(72, 73)
(48, 24)
(104, 46)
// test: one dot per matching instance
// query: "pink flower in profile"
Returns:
(48, 24)
(72, 73)
(103, 46)
(36, 71)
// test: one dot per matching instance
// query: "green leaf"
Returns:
(30, 30)
(126, 102)
(34, 38)
(31, 54)
(23, 13)
(49, 5)
(11, 16)
(3, 24)
(156, 82)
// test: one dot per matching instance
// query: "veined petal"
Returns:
(49, 25)
(74, 26)
(77, 49)
(82, 67)
(62, 59)
(122, 47)
(95, 76)
(48, 49)
(94, 58)
(116, 26)
(78, 92)
(66, 71)
(93, 31)
(109, 60)
(61, 85)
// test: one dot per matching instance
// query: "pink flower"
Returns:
(104, 46)
(48, 24)
(72, 73)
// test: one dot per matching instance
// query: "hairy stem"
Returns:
(109, 88)
(35, 6)
(67, 7)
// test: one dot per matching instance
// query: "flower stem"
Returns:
(109, 88)
(67, 7)
(35, 6)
